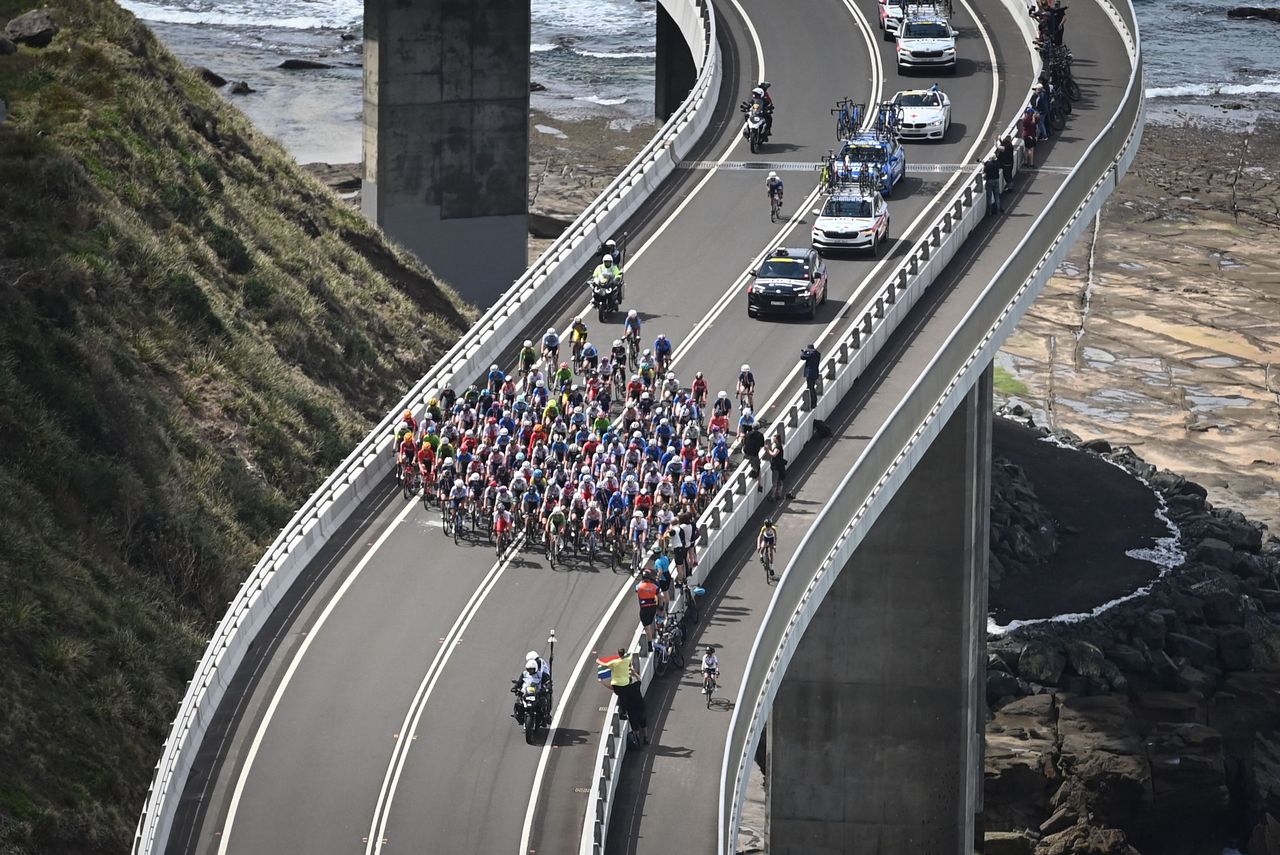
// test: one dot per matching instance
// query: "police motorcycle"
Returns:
(607, 288)
(756, 128)
(533, 703)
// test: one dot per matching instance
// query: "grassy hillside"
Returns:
(193, 332)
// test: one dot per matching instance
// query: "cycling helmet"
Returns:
(746, 367)
(646, 352)
(578, 319)
(671, 375)
(746, 413)
(639, 514)
(773, 175)
(551, 331)
(607, 260)
(711, 651)
(633, 314)
(698, 375)
(617, 342)
(635, 377)
(457, 482)
(723, 394)
(408, 414)
(528, 342)
(768, 521)
(493, 367)
(662, 336)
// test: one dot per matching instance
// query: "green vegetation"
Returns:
(193, 332)
(1008, 385)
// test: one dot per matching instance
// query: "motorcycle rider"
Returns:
(608, 275)
(760, 95)
(611, 248)
(536, 675)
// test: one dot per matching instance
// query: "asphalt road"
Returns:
(669, 794)
(377, 719)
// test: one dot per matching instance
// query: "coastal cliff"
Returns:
(193, 333)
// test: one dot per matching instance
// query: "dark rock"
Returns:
(1098, 446)
(1019, 771)
(1001, 687)
(1128, 658)
(1234, 648)
(1251, 12)
(1192, 679)
(1168, 706)
(1265, 839)
(1086, 660)
(1041, 662)
(34, 29)
(1188, 787)
(1151, 629)
(348, 37)
(1195, 651)
(303, 64)
(1215, 553)
(240, 87)
(7, 47)
(1221, 607)
(536, 87)
(209, 76)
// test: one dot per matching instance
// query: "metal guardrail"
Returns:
(884, 464)
(369, 464)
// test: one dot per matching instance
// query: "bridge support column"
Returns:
(875, 737)
(446, 136)
(674, 71)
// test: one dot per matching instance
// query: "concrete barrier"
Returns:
(330, 505)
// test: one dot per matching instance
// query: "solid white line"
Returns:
(408, 729)
(225, 840)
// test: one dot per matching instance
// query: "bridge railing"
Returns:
(902, 440)
(371, 461)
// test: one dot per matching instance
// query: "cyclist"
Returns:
(426, 462)
(710, 667)
(592, 519)
(551, 347)
(722, 406)
(774, 186)
(562, 378)
(590, 357)
(647, 367)
(457, 496)
(631, 328)
(767, 544)
(408, 421)
(746, 387)
(502, 521)
(638, 533)
(554, 523)
(699, 390)
(529, 503)
(577, 337)
(662, 351)
(527, 356)
(407, 452)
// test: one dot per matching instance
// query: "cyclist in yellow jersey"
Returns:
(767, 545)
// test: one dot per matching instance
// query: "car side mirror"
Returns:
(816, 212)
(752, 272)
(955, 33)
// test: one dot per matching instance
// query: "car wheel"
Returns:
(824, 293)
(813, 308)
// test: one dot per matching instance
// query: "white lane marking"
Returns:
(413, 716)
(293, 668)
(607, 618)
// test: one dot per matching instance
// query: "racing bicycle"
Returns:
(709, 684)
(848, 118)
(409, 478)
(766, 559)
(775, 206)
(633, 349)
(667, 647)
(553, 544)
(637, 555)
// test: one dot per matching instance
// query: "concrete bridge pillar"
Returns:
(446, 136)
(674, 68)
(875, 737)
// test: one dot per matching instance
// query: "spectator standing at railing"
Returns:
(812, 360)
(1028, 127)
(778, 467)
(681, 543)
(1004, 154)
(991, 181)
(622, 677)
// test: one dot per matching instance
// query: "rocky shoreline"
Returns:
(1151, 727)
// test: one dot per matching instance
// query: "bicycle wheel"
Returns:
(1072, 89)
(709, 684)
(408, 486)
(457, 526)
(677, 656)
(448, 525)
(691, 613)
(659, 660)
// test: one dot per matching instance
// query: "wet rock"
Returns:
(1197, 652)
(536, 87)
(1151, 628)
(1002, 686)
(1098, 446)
(1007, 843)
(34, 29)
(1235, 648)
(303, 64)
(1265, 839)
(1086, 840)
(1249, 13)
(240, 87)
(1216, 553)
(210, 76)
(1041, 662)
(1192, 679)
(1086, 660)
(7, 47)
(1221, 607)
(1129, 658)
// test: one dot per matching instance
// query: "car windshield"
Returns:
(917, 99)
(783, 268)
(862, 153)
(923, 30)
(847, 208)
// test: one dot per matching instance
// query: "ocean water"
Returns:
(596, 57)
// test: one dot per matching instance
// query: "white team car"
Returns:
(923, 113)
(851, 219)
(894, 12)
(926, 43)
